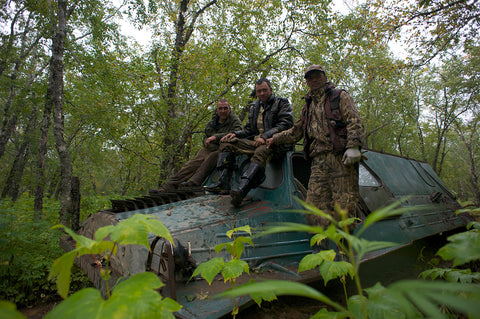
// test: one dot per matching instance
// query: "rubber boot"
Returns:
(226, 166)
(251, 178)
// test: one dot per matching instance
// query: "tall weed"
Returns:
(402, 299)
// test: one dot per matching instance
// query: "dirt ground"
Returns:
(38, 311)
(283, 308)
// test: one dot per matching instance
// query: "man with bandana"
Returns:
(332, 130)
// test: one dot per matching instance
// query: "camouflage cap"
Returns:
(314, 67)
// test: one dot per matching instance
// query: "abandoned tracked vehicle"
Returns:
(198, 221)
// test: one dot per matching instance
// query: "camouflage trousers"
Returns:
(260, 154)
(196, 170)
(332, 182)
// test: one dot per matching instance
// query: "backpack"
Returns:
(336, 125)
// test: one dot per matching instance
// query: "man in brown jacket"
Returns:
(333, 135)
(197, 169)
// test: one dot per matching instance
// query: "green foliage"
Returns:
(235, 267)
(232, 269)
(452, 275)
(329, 268)
(28, 248)
(428, 297)
(134, 230)
(208, 270)
(402, 299)
(135, 297)
(279, 288)
(463, 247)
(9, 310)
(92, 204)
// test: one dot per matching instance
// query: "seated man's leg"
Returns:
(253, 176)
(262, 155)
(241, 146)
(204, 170)
(226, 163)
(186, 171)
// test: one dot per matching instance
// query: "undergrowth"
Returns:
(28, 247)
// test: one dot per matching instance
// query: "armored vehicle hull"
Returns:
(198, 221)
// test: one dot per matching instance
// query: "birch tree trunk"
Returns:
(12, 184)
(54, 101)
(56, 82)
(469, 145)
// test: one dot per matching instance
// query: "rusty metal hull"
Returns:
(199, 221)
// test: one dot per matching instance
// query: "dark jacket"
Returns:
(277, 117)
(219, 130)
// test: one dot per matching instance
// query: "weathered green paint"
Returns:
(201, 223)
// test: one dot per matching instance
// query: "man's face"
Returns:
(223, 110)
(263, 91)
(316, 80)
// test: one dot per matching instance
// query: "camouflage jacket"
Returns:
(219, 130)
(314, 125)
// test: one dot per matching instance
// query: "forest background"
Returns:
(81, 101)
(79, 98)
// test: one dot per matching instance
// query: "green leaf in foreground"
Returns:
(62, 270)
(134, 230)
(264, 296)
(428, 296)
(8, 310)
(233, 269)
(325, 314)
(463, 247)
(208, 270)
(452, 275)
(335, 269)
(139, 290)
(314, 260)
(381, 304)
(279, 288)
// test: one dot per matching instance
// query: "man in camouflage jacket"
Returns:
(334, 163)
(195, 171)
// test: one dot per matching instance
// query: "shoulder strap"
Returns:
(334, 98)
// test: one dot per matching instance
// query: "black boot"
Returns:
(251, 178)
(226, 166)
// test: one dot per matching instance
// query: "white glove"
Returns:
(351, 156)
